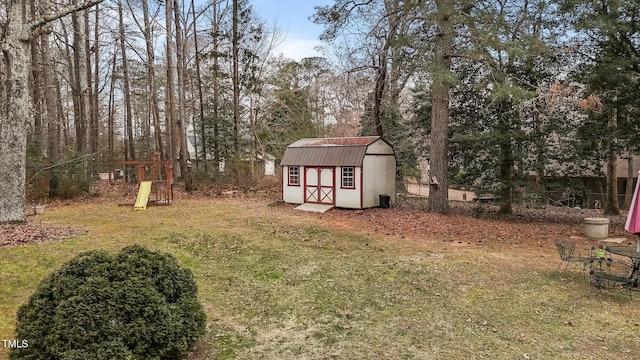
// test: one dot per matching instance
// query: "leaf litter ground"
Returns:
(35, 232)
(468, 223)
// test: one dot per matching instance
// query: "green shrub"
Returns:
(136, 304)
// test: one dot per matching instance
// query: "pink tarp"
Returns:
(633, 218)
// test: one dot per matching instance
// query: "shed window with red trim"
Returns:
(294, 176)
(348, 177)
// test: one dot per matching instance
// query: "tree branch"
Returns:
(63, 12)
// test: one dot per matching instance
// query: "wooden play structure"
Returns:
(157, 177)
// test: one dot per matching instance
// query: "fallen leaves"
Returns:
(533, 227)
(33, 232)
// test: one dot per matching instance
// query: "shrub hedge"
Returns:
(135, 304)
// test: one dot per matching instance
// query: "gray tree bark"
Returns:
(439, 173)
(200, 95)
(169, 111)
(111, 108)
(14, 112)
(628, 193)
(15, 115)
(181, 125)
(611, 206)
(127, 91)
(236, 91)
(151, 80)
(36, 88)
(51, 100)
(92, 93)
(80, 84)
(216, 88)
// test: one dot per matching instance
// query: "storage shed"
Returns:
(346, 172)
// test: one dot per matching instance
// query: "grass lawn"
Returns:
(280, 284)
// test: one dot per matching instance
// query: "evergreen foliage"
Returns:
(396, 132)
(290, 116)
(607, 41)
(136, 304)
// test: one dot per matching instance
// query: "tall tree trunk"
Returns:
(91, 110)
(36, 89)
(111, 110)
(63, 117)
(506, 158)
(236, 92)
(611, 200)
(80, 85)
(96, 80)
(540, 145)
(71, 82)
(127, 88)
(439, 173)
(51, 99)
(216, 89)
(252, 126)
(151, 81)
(15, 115)
(185, 170)
(203, 138)
(169, 112)
(382, 76)
(628, 194)
(381, 80)
(15, 104)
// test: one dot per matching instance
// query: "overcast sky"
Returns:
(292, 17)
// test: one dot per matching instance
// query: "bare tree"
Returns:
(51, 100)
(199, 86)
(15, 114)
(185, 170)
(169, 110)
(80, 83)
(151, 79)
(236, 88)
(216, 50)
(36, 88)
(111, 105)
(92, 81)
(130, 143)
(380, 36)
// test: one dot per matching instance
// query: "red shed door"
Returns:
(319, 186)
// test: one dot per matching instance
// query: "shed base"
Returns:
(319, 208)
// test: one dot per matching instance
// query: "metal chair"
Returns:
(610, 273)
(568, 255)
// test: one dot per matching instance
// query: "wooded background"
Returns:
(489, 92)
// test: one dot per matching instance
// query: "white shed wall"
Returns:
(292, 194)
(379, 147)
(379, 177)
(348, 198)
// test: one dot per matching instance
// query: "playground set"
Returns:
(155, 179)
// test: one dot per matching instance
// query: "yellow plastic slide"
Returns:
(143, 196)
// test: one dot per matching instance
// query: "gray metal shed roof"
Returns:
(344, 151)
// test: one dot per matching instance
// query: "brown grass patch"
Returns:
(394, 284)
